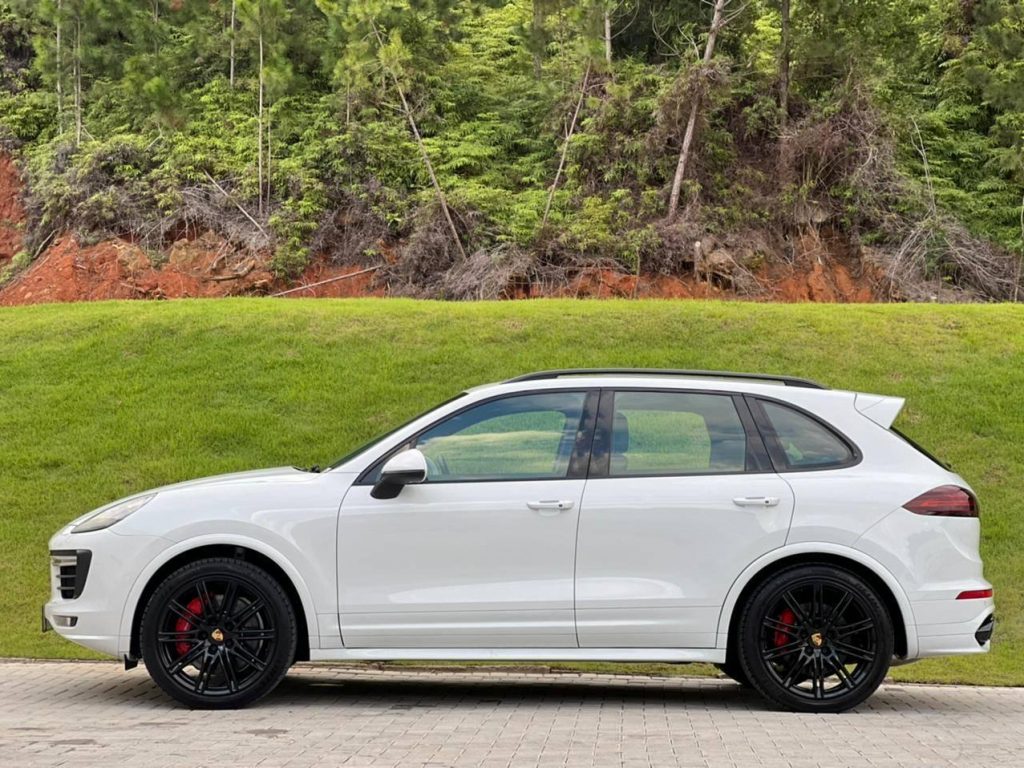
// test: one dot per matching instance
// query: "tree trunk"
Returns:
(537, 30)
(270, 145)
(78, 78)
(423, 152)
(60, 68)
(156, 28)
(717, 22)
(608, 35)
(784, 58)
(259, 123)
(565, 146)
(231, 48)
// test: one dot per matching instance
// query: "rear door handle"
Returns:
(549, 507)
(756, 501)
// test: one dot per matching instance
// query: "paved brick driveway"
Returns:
(93, 714)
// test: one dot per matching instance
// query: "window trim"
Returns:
(757, 461)
(778, 454)
(578, 461)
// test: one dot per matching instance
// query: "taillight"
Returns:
(945, 501)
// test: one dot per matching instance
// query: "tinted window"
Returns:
(515, 438)
(675, 433)
(805, 442)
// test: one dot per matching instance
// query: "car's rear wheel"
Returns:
(815, 639)
(218, 633)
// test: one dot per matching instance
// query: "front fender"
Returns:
(235, 539)
(817, 548)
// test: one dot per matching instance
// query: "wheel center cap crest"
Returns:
(816, 639)
(217, 635)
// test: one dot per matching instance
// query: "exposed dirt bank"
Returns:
(819, 267)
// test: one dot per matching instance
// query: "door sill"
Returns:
(641, 655)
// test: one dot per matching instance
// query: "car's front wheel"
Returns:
(815, 639)
(218, 633)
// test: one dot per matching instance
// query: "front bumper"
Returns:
(88, 606)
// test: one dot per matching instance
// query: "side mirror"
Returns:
(406, 468)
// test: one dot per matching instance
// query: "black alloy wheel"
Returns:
(219, 633)
(815, 639)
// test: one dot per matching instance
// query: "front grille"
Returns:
(70, 568)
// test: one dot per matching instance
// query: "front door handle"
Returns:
(549, 507)
(756, 501)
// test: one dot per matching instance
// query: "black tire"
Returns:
(732, 669)
(815, 638)
(218, 633)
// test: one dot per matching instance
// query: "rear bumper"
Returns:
(967, 630)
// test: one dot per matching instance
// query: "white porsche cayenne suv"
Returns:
(780, 530)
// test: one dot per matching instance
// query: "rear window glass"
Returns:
(805, 443)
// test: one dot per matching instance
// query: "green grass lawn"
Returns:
(101, 400)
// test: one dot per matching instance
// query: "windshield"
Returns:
(380, 438)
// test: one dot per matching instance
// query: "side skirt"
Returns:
(636, 655)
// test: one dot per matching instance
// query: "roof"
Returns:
(789, 381)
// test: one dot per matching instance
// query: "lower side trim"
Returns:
(650, 655)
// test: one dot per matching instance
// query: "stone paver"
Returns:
(93, 714)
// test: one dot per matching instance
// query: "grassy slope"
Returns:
(100, 400)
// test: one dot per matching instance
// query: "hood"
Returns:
(275, 474)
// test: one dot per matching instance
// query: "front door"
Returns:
(681, 499)
(480, 555)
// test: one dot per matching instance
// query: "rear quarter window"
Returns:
(800, 442)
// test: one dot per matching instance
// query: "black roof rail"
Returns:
(789, 381)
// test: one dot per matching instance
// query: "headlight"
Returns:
(113, 514)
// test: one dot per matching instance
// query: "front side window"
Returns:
(675, 433)
(523, 437)
(805, 443)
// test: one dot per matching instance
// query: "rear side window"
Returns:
(675, 433)
(802, 442)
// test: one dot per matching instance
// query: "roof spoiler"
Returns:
(880, 409)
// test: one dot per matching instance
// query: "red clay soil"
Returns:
(117, 269)
(830, 282)
(12, 214)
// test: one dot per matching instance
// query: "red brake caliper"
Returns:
(781, 638)
(195, 605)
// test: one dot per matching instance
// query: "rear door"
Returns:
(680, 498)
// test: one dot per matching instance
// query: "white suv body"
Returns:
(581, 516)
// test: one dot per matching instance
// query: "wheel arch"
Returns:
(892, 594)
(252, 552)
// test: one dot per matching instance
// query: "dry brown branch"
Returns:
(237, 205)
(325, 282)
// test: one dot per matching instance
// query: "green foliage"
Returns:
(492, 86)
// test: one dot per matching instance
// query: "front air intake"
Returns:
(70, 568)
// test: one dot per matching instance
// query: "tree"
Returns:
(725, 11)
(785, 54)
(262, 21)
(371, 35)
